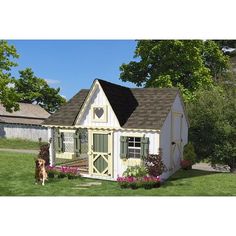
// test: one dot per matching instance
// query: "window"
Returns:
(134, 147)
(99, 113)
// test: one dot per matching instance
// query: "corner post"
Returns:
(51, 147)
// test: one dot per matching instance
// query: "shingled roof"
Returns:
(28, 114)
(143, 108)
(67, 114)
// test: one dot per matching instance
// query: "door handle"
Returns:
(109, 154)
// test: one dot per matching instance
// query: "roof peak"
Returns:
(137, 88)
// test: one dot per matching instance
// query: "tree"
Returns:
(213, 125)
(8, 97)
(32, 89)
(187, 64)
(215, 60)
(228, 43)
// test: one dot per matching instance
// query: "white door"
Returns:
(176, 144)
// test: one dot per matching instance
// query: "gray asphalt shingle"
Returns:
(144, 108)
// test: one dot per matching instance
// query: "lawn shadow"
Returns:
(182, 174)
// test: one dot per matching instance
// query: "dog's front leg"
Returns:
(43, 182)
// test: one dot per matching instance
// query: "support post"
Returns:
(51, 147)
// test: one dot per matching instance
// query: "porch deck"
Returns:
(81, 164)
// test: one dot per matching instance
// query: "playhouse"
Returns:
(105, 129)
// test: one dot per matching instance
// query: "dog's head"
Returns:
(40, 163)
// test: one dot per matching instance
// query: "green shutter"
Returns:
(77, 143)
(59, 141)
(144, 147)
(123, 147)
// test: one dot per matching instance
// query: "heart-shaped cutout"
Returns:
(99, 112)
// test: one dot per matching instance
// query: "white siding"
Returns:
(23, 131)
(177, 106)
(165, 144)
(121, 165)
(98, 99)
(51, 140)
(173, 130)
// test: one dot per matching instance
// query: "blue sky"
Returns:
(74, 64)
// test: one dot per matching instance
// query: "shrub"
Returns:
(189, 153)
(154, 164)
(186, 164)
(44, 153)
(135, 171)
(213, 120)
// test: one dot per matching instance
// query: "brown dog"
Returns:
(40, 171)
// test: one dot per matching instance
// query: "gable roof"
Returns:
(67, 113)
(140, 108)
(28, 114)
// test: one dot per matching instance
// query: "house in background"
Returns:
(25, 123)
(109, 127)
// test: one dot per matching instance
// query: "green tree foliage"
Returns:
(213, 125)
(8, 97)
(32, 89)
(229, 43)
(187, 64)
(215, 60)
(189, 153)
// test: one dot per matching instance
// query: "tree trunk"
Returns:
(232, 168)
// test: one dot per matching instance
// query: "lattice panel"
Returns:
(68, 142)
(84, 140)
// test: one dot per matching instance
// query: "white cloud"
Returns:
(52, 81)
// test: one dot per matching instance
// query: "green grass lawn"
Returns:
(17, 179)
(18, 144)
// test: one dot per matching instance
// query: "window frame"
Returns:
(135, 155)
(103, 118)
(63, 140)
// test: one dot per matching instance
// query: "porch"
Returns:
(88, 150)
(81, 164)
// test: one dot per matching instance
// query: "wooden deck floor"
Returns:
(81, 164)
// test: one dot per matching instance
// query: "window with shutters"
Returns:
(134, 147)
